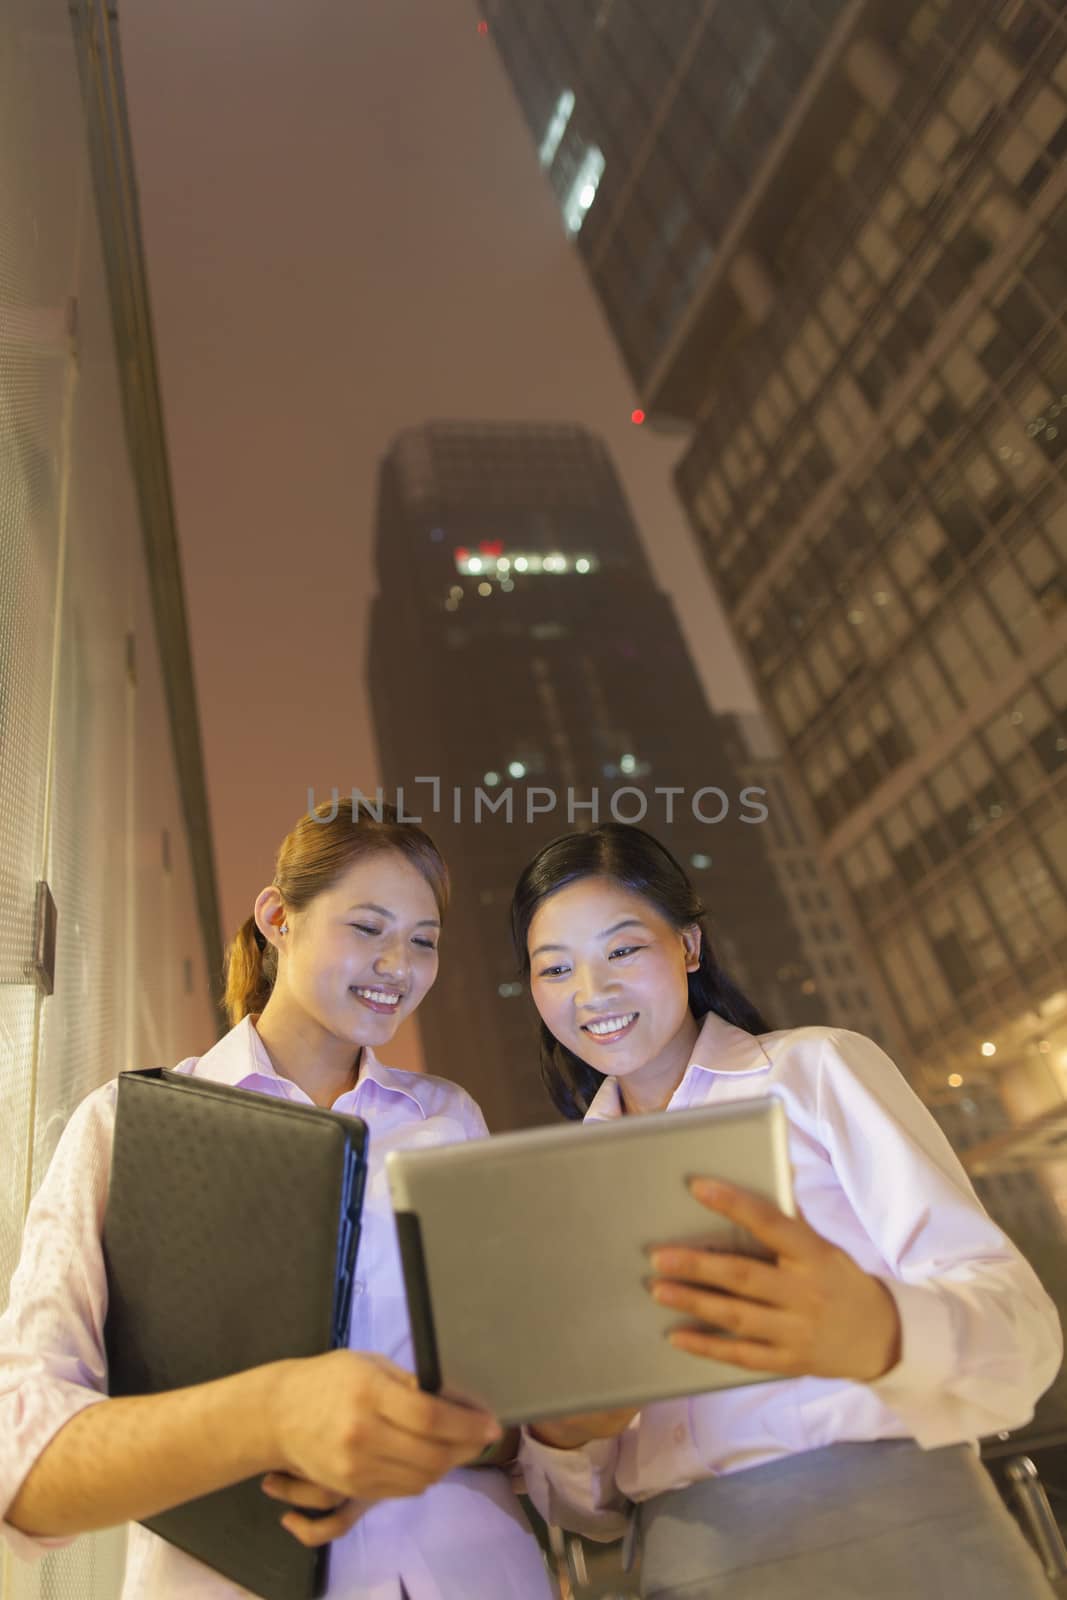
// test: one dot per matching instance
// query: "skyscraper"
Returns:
(528, 678)
(831, 240)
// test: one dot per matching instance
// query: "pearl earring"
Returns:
(284, 928)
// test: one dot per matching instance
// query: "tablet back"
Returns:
(525, 1255)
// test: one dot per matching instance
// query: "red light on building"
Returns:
(461, 553)
(483, 28)
(637, 416)
(491, 547)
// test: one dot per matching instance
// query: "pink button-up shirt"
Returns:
(464, 1539)
(873, 1174)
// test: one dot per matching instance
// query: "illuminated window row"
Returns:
(530, 563)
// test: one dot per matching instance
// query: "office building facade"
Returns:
(831, 241)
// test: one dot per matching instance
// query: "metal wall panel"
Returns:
(87, 772)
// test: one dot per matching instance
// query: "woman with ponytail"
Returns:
(341, 946)
(898, 1321)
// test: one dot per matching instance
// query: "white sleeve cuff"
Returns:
(576, 1488)
(928, 1359)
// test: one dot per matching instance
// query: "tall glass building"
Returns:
(830, 237)
(527, 678)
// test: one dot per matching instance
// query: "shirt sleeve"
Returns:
(576, 1489)
(981, 1340)
(52, 1360)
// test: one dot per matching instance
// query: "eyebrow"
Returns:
(627, 922)
(368, 905)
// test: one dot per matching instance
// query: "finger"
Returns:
(299, 1492)
(753, 1356)
(429, 1417)
(741, 1275)
(786, 1236)
(314, 1531)
(743, 1318)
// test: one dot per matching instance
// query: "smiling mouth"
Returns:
(607, 1029)
(384, 1001)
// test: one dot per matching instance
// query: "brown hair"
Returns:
(323, 845)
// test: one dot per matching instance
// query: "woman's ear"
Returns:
(269, 912)
(692, 939)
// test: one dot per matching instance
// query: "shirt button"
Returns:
(679, 1433)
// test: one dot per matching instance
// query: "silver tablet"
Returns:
(525, 1255)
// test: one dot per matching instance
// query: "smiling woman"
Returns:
(340, 948)
(342, 942)
(640, 935)
(899, 1323)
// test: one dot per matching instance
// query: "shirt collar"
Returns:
(720, 1049)
(240, 1055)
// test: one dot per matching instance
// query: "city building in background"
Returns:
(527, 678)
(830, 239)
(816, 904)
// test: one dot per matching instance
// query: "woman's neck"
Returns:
(652, 1087)
(324, 1066)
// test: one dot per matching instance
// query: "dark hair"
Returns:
(637, 861)
(313, 855)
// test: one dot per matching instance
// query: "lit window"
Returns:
(628, 763)
(485, 589)
(583, 190)
(521, 563)
(557, 127)
(516, 769)
(581, 565)
(701, 862)
(491, 780)
(474, 564)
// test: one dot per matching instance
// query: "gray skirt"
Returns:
(884, 1519)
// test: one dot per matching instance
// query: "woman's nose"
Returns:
(391, 960)
(591, 983)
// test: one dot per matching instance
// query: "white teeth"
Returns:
(379, 997)
(611, 1024)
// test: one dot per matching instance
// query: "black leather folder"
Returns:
(230, 1241)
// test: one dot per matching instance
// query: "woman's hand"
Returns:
(312, 1531)
(359, 1427)
(813, 1312)
(570, 1433)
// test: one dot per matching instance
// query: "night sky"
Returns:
(347, 233)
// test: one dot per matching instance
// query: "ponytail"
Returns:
(251, 966)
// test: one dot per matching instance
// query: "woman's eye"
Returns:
(624, 950)
(551, 972)
(427, 944)
(363, 928)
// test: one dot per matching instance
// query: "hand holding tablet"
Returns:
(527, 1258)
(809, 1311)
